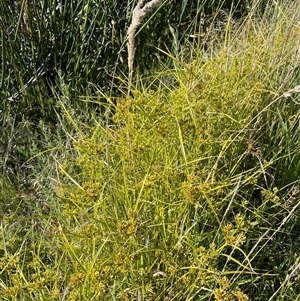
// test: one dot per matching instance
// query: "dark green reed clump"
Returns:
(85, 40)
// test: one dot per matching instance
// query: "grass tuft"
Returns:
(187, 189)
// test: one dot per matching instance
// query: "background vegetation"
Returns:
(187, 188)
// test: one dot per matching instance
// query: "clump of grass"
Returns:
(190, 191)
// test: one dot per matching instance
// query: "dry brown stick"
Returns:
(138, 16)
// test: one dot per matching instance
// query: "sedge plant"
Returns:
(188, 189)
